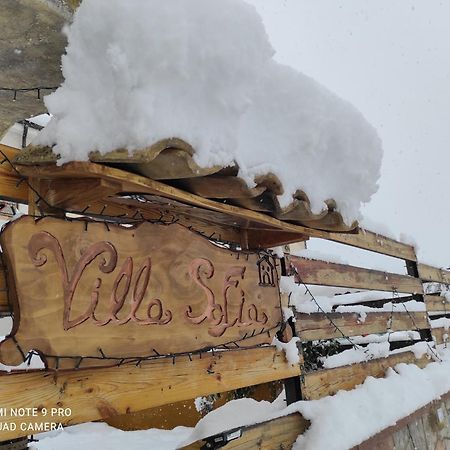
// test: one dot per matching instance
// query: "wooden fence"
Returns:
(98, 393)
(324, 327)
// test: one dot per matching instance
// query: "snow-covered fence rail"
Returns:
(310, 271)
(320, 326)
(95, 394)
(429, 273)
(335, 344)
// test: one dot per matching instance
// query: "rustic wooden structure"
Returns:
(208, 235)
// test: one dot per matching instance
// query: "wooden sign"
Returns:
(92, 294)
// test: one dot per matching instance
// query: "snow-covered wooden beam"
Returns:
(317, 326)
(440, 335)
(436, 303)
(325, 382)
(278, 433)
(93, 394)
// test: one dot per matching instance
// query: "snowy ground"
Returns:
(337, 423)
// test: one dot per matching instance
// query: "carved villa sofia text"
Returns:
(155, 314)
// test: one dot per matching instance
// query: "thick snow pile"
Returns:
(140, 71)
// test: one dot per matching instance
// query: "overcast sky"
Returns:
(391, 59)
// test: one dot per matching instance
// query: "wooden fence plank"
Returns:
(429, 273)
(94, 394)
(325, 273)
(440, 335)
(368, 240)
(329, 381)
(436, 303)
(280, 433)
(317, 326)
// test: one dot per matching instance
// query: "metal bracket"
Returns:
(220, 440)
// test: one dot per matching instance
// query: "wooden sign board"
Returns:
(86, 293)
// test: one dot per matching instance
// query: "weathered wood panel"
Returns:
(324, 273)
(329, 381)
(429, 273)
(280, 433)
(94, 394)
(78, 193)
(436, 303)
(368, 240)
(317, 326)
(109, 292)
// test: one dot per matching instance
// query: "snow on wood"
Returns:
(211, 80)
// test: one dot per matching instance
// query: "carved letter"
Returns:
(43, 240)
(211, 305)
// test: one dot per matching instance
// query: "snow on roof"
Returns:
(141, 71)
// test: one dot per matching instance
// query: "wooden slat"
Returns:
(329, 381)
(9, 190)
(280, 433)
(324, 273)
(77, 193)
(220, 187)
(376, 243)
(9, 153)
(95, 394)
(429, 273)
(436, 303)
(440, 335)
(135, 183)
(317, 326)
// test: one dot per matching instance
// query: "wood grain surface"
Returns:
(105, 291)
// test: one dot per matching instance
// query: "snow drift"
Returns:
(139, 71)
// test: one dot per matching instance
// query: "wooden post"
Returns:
(413, 271)
(33, 199)
(292, 386)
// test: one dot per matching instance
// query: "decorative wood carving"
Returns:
(107, 293)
